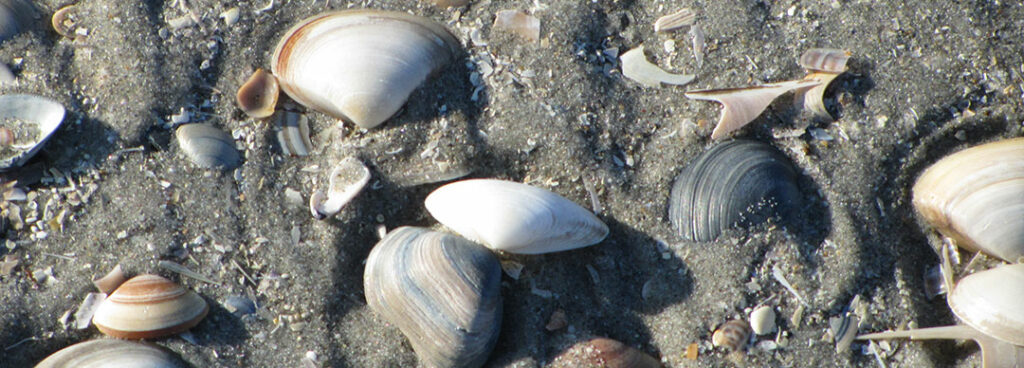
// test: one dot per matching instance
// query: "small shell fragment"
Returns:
(605, 353)
(208, 146)
(823, 65)
(682, 18)
(762, 320)
(519, 23)
(697, 36)
(293, 133)
(450, 3)
(825, 60)
(743, 105)
(83, 316)
(108, 283)
(636, 67)
(347, 179)
(64, 22)
(732, 335)
(230, 16)
(257, 97)
(844, 330)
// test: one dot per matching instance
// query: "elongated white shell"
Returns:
(976, 197)
(111, 353)
(360, 65)
(514, 217)
(442, 291)
(992, 302)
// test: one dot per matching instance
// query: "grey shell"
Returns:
(208, 146)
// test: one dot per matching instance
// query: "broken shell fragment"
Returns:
(293, 133)
(518, 23)
(110, 281)
(15, 16)
(30, 120)
(740, 182)
(450, 3)
(64, 22)
(208, 146)
(976, 197)
(109, 353)
(601, 352)
(147, 307)
(360, 65)
(441, 290)
(514, 217)
(347, 179)
(732, 335)
(682, 18)
(257, 97)
(825, 60)
(742, 105)
(636, 67)
(823, 65)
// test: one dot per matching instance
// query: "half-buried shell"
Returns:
(28, 121)
(111, 353)
(147, 307)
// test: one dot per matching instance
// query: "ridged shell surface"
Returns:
(735, 182)
(441, 290)
(514, 217)
(992, 301)
(360, 65)
(112, 353)
(976, 197)
(208, 146)
(149, 306)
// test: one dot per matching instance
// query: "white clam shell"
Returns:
(347, 179)
(514, 217)
(360, 65)
(976, 197)
(41, 116)
(992, 302)
(111, 353)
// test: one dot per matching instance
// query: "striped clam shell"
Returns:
(147, 307)
(825, 60)
(112, 353)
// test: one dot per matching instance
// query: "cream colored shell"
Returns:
(149, 306)
(992, 302)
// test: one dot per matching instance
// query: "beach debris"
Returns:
(207, 146)
(184, 271)
(514, 217)
(230, 16)
(697, 37)
(45, 276)
(442, 291)
(293, 133)
(682, 18)
(512, 268)
(742, 105)
(822, 65)
(257, 97)
(762, 320)
(692, 351)
(65, 23)
(28, 122)
(519, 23)
(557, 321)
(109, 282)
(86, 310)
(239, 305)
(347, 179)
(732, 335)
(735, 183)
(360, 66)
(781, 278)
(636, 67)
(603, 352)
(6, 75)
(112, 353)
(149, 306)
(8, 265)
(450, 3)
(843, 329)
(934, 284)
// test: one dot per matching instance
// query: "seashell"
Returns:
(6, 75)
(111, 353)
(347, 179)
(519, 23)
(31, 120)
(823, 65)
(601, 352)
(825, 60)
(15, 16)
(732, 335)
(109, 282)
(441, 290)
(514, 217)
(682, 18)
(636, 67)
(697, 37)
(762, 320)
(742, 105)
(6, 136)
(733, 183)
(147, 307)
(360, 65)
(988, 303)
(64, 21)
(976, 197)
(257, 97)
(450, 3)
(208, 146)
(293, 133)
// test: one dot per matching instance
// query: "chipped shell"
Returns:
(147, 307)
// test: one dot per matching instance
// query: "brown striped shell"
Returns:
(601, 352)
(825, 60)
(147, 307)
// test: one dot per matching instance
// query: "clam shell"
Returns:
(149, 306)
(32, 120)
(347, 179)
(360, 65)
(601, 352)
(208, 146)
(514, 217)
(736, 182)
(112, 353)
(15, 16)
(257, 97)
(825, 60)
(441, 290)
(976, 197)
(992, 302)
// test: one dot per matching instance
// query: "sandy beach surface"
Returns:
(113, 186)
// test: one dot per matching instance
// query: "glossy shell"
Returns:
(208, 146)
(360, 65)
(30, 120)
(825, 60)
(976, 197)
(15, 16)
(732, 335)
(112, 353)
(257, 97)
(603, 352)
(441, 290)
(514, 217)
(992, 302)
(736, 182)
(149, 306)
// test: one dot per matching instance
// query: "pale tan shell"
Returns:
(825, 60)
(733, 335)
(601, 352)
(149, 306)
(111, 353)
(992, 301)
(257, 97)
(976, 197)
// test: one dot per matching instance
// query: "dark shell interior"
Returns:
(740, 182)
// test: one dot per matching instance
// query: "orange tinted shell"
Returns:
(149, 306)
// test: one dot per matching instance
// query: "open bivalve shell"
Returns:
(147, 307)
(514, 217)
(112, 353)
(976, 197)
(736, 182)
(360, 65)
(27, 121)
(441, 290)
